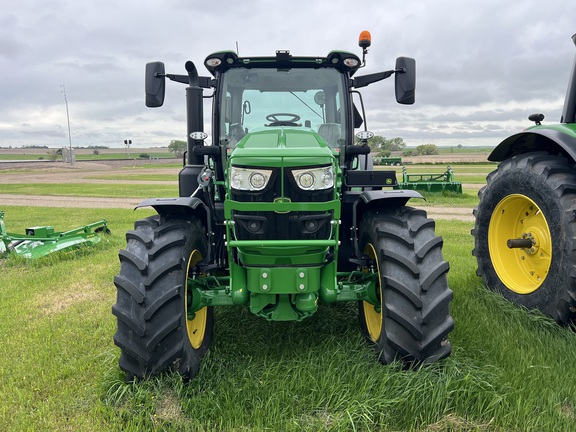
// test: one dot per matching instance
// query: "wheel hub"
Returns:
(195, 322)
(373, 313)
(520, 244)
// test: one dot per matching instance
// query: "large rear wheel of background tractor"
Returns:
(155, 332)
(411, 320)
(525, 233)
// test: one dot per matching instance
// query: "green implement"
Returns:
(40, 241)
(430, 182)
(388, 161)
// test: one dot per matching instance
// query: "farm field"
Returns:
(510, 369)
(46, 154)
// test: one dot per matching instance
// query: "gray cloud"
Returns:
(483, 67)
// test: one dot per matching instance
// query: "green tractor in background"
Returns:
(525, 231)
(279, 213)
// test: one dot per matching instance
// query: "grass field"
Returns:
(92, 190)
(510, 369)
(35, 154)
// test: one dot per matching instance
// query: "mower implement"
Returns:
(40, 241)
(430, 182)
(280, 213)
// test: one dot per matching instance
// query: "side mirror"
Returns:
(405, 78)
(155, 84)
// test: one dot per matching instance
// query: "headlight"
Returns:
(249, 179)
(314, 178)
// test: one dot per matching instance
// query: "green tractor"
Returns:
(525, 231)
(279, 213)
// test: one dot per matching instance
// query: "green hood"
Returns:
(272, 146)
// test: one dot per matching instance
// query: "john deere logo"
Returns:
(282, 200)
(388, 181)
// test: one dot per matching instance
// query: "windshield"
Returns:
(252, 99)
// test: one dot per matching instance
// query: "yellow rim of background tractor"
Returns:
(372, 317)
(522, 270)
(195, 328)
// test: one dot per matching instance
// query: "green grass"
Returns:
(178, 166)
(133, 155)
(116, 190)
(510, 369)
(465, 173)
(33, 156)
(130, 177)
(468, 198)
(464, 150)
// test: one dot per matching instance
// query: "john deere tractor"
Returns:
(525, 233)
(280, 212)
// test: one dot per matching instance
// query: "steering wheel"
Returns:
(275, 121)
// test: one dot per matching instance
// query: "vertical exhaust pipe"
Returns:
(188, 176)
(569, 111)
(194, 113)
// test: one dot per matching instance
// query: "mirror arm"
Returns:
(364, 80)
(178, 78)
(204, 82)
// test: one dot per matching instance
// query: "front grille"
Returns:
(302, 225)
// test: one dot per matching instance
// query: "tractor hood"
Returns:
(282, 146)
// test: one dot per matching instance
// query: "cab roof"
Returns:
(344, 62)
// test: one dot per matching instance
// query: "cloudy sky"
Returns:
(482, 66)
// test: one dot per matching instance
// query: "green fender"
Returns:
(554, 139)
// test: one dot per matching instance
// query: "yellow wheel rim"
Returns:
(372, 316)
(522, 270)
(196, 328)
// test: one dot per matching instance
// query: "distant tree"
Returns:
(52, 155)
(96, 151)
(384, 153)
(427, 149)
(379, 143)
(396, 144)
(459, 146)
(177, 147)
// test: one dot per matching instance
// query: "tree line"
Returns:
(384, 147)
(378, 144)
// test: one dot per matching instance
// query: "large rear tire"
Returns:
(411, 321)
(530, 197)
(154, 331)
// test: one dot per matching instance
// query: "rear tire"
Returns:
(154, 333)
(532, 195)
(412, 320)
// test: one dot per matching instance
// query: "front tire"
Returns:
(411, 320)
(154, 331)
(531, 197)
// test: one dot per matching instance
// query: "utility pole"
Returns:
(71, 159)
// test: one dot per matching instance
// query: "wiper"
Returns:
(309, 107)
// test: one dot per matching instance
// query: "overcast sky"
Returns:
(482, 66)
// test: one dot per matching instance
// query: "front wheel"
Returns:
(409, 318)
(525, 233)
(156, 331)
